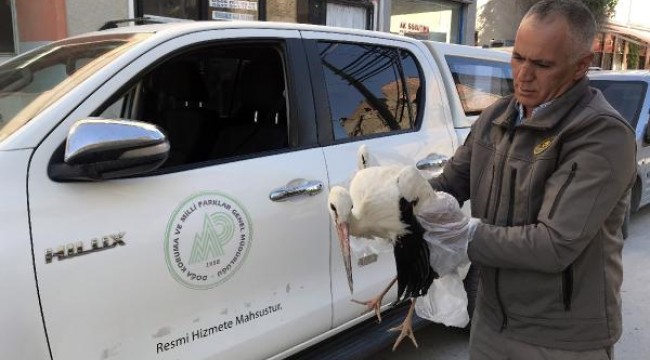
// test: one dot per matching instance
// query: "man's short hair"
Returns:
(581, 20)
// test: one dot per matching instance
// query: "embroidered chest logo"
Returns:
(542, 146)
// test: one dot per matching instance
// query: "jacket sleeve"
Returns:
(455, 178)
(595, 172)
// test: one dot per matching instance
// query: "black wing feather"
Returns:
(414, 273)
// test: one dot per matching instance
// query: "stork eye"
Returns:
(333, 208)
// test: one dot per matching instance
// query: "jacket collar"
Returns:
(549, 116)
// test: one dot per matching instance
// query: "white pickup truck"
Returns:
(164, 187)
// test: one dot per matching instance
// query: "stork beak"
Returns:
(344, 240)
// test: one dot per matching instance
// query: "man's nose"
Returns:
(526, 72)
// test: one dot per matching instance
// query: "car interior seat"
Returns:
(182, 110)
(260, 124)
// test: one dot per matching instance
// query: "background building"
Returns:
(25, 24)
(623, 42)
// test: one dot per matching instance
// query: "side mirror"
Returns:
(102, 149)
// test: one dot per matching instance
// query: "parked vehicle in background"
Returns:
(478, 76)
(164, 187)
(628, 92)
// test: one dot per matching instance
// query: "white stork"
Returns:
(382, 203)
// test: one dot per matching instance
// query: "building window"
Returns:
(348, 15)
(179, 9)
(7, 30)
(427, 20)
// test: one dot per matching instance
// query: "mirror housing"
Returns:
(101, 149)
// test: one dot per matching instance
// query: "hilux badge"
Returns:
(76, 249)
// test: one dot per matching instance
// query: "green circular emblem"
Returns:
(207, 239)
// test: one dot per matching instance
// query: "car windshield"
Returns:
(624, 96)
(34, 80)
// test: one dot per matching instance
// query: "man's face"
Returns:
(542, 65)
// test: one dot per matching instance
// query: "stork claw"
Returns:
(404, 332)
(375, 303)
(372, 304)
(406, 328)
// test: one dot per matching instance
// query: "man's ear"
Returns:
(582, 66)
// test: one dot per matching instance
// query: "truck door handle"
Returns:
(434, 162)
(310, 188)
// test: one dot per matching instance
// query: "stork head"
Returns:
(340, 208)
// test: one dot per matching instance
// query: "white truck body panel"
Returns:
(20, 316)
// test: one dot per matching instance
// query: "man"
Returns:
(548, 172)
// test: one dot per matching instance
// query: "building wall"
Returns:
(498, 20)
(440, 20)
(84, 16)
(39, 22)
(282, 10)
(632, 13)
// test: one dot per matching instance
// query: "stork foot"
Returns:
(375, 303)
(406, 328)
(372, 304)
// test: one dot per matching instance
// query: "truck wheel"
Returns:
(471, 287)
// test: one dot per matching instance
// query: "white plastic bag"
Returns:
(447, 234)
(446, 302)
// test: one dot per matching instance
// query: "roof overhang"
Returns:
(635, 34)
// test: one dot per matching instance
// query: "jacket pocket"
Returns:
(560, 193)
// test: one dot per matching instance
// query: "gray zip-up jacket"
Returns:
(551, 193)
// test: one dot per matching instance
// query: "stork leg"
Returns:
(375, 303)
(406, 329)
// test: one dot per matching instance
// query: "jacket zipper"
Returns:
(511, 198)
(566, 184)
(567, 287)
(511, 133)
(487, 204)
(504, 317)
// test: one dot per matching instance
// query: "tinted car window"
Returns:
(217, 102)
(372, 89)
(624, 96)
(479, 82)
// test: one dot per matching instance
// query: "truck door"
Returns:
(375, 94)
(221, 253)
